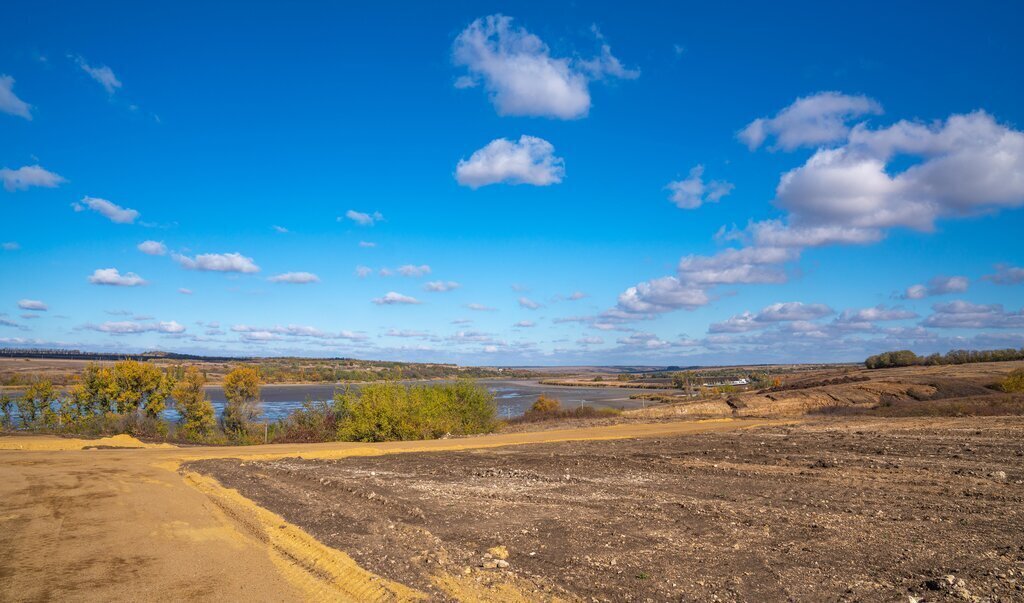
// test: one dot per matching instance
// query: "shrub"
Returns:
(1014, 382)
(579, 412)
(6, 411)
(34, 404)
(391, 411)
(545, 404)
(316, 421)
(242, 391)
(197, 420)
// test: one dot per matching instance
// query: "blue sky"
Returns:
(562, 183)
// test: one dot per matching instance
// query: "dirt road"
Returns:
(126, 524)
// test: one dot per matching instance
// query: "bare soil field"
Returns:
(835, 509)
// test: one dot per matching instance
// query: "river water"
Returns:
(513, 397)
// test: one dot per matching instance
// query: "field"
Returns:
(838, 484)
(861, 510)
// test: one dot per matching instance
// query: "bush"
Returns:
(1014, 382)
(391, 411)
(580, 412)
(6, 411)
(316, 421)
(545, 404)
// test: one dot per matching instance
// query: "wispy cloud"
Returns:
(32, 304)
(529, 304)
(480, 308)
(692, 191)
(112, 211)
(295, 278)
(940, 285)
(363, 219)
(441, 286)
(9, 102)
(103, 75)
(392, 298)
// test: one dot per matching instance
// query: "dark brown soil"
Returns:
(835, 510)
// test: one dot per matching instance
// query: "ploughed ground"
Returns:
(854, 509)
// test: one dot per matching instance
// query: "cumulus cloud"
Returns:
(1006, 274)
(940, 285)
(114, 278)
(103, 75)
(520, 75)
(525, 324)
(811, 120)
(529, 304)
(392, 298)
(132, 327)
(153, 248)
(363, 219)
(733, 266)
(961, 314)
(441, 286)
(531, 160)
(413, 271)
(363, 271)
(112, 211)
(32, 304)
(592, 340)
(218, 262)
(295, 278)
(9, 102)
(661, 295)
(276, 332)
(28, 176)
(692, 192)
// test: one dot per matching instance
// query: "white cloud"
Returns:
(218, 262)
(592, 340)
(132, 327)
(661, 295)
(789, 311)
(733, 266)
(480, 307)
(692, 192)
(112, 277)
(32, 304)
(367, 244)
(386, 272)
(414, 271)
(940, 285)
(393, 298)
(10, 246)
(529, 304)
(1006, 275)
(521, 76)
(529, 161)
(525, 324)
(295, 331)
(740, 323)
(441, 286)
(876, 314)
(185, 291)
(363, 219)
(295, 278)
(112, 211)
(153, 248)
(280, 229)
(104, 75)
(363, 271)
(961, 314)
(9, 102)
(29, 176)
(811, 120)
(577, 295)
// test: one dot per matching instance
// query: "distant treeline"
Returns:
(909, 358)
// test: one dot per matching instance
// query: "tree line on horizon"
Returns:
(899, 358)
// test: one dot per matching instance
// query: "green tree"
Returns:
(6, 411)
(197, 419)
(242, 390)
(34, 404)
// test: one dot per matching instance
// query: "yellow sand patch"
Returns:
(55, 443)
(323, 573)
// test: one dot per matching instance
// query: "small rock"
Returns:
(501, 563)
(498, 552)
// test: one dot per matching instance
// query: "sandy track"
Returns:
(124, 524)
